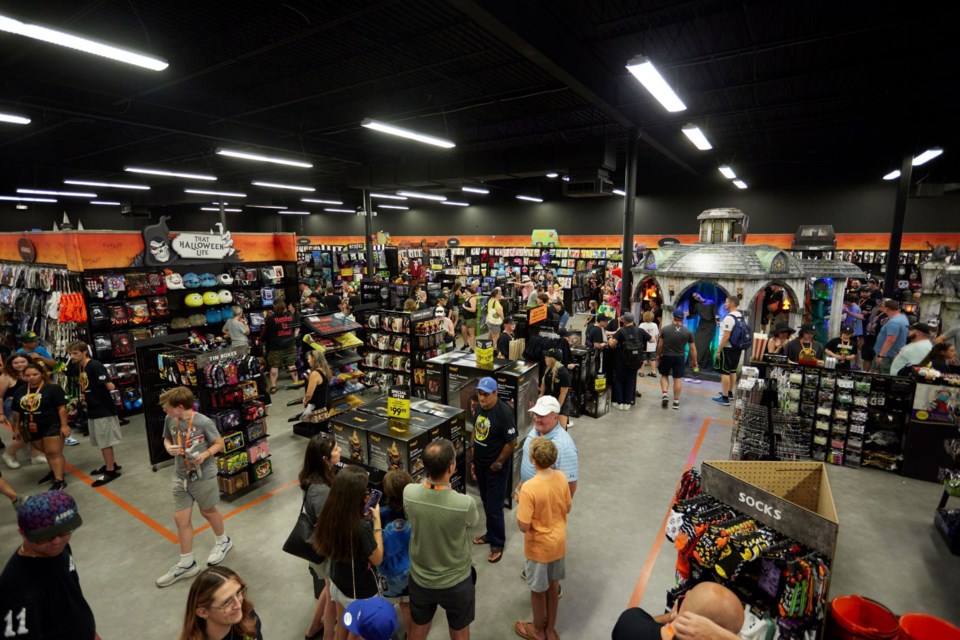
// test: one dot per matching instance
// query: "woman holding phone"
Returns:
(346, 539)
(316, 479)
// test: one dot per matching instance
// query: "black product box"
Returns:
(436, 375)
(461, 380)
(397, 444)
(518, 386)
(597, 404)
(455, 420)
(350, 432)
(456, 480)
(376, 407)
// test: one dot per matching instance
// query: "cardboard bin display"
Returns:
(793, 498)
(350, 432)
(397, 444)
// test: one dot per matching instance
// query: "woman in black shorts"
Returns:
(40, 415)
(468, 311)
(556, 382)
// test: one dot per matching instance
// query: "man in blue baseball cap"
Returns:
(40, 595)
(371, 619)
(489, 455)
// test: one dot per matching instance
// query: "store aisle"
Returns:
(630, 463)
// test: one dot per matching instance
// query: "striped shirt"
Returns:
(567, 460)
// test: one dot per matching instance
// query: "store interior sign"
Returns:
(163, 248)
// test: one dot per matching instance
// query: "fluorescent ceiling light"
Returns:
(280, 185)
(224, 194)
(335, 203)
(340, 210)
(553, 174)
(926, 156)
(106, 203)
(740, 184)
(619, 192)
(454, 203)
(16, 199)
(14, 119)
(81, 44)
(643, 70)
(386, 196)
(383, 127)
(218, 209)
(893, 175)
(471, 189)
(263, 206)
(107, 185)
(696, 136)
(295, 213)
(530, 198)
(262, 158)
(171, 174)
(727, 172)
(44, 192)
(423, 196)
(393, 206)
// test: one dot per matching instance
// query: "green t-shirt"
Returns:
(440, 522)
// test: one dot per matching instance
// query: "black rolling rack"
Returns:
(152, 386)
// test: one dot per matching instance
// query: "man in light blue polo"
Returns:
(892, 336)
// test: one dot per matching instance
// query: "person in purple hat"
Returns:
(40, 595)
(491, 449)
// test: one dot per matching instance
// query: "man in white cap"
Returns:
(546, 423)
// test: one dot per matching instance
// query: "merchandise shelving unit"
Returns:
(397, 346)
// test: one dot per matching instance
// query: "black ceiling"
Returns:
(788, 92)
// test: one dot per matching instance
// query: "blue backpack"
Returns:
(741, 336)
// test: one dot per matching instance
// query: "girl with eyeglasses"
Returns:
(218, 608)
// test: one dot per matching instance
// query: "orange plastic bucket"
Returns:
(859, 618)
(919, 626)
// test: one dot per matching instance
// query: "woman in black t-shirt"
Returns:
(343, 536)
(11, 381)
(40, 415)
(468, 311)
(556, 382)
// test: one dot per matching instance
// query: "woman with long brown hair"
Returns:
(218, 608)
(318, 382)
(11, 381)
(40, 416)
(344, 537)
(316, 479)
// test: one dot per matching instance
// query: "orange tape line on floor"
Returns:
(126, 506)
(651, 560)
(243, 508)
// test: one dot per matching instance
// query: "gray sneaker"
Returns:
(219, 551)
(178, 573)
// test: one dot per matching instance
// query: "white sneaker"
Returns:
(11, 461)
(178, 573)
(41, 459)
(219, 551)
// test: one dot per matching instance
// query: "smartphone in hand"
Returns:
(373, 498)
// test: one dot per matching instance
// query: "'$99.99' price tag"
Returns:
(398, 402)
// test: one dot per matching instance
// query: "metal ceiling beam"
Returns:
(510, 22)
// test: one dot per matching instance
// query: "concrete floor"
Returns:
(630, 464)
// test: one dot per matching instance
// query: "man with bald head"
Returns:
(708, 611)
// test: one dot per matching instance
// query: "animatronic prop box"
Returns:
(398, 445)
(350, 431)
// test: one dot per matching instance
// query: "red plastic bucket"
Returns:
(919, 626)
(859, 618)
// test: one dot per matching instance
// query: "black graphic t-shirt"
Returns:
(492, 429)
(280, 331)
(838, 347)
(93, 385)
(40, 405)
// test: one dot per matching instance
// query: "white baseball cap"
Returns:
(545, 406)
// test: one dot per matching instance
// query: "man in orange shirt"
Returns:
(545, 501)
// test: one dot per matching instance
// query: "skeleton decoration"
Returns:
(156, 240)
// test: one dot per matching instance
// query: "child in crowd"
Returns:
(545, 501)
(395, 567)
(192, 439)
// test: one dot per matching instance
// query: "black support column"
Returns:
(629, 206)
(896, 234)
(368, 229)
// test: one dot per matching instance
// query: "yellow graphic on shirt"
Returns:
(481, 428)
(30, 402)
(84, 382)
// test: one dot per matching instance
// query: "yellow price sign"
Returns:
(398, 402)
(600, 382)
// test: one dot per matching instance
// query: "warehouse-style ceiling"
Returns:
(787, 92)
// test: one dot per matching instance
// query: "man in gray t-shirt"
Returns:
(671, 357)
(193, 440)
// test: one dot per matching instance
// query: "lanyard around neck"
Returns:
(182, 435)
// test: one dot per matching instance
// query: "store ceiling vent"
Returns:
(588, 185)
(128, 210)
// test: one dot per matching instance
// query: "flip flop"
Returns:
(521, 628)
(273, 390)
(495, 555)
(480, 540)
